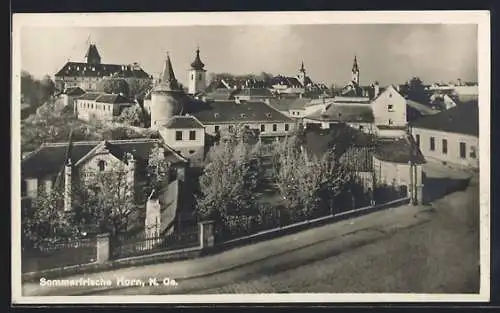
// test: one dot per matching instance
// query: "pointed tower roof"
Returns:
(92, 52)
(355, 65)
(302, 69)
(168, 82)
(197, 64)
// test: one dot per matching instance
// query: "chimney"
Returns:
(67, 186)
(376, 89)
(131, 174)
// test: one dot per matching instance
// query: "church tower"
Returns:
(197, 81)
(355, 72)
(92, 56)
(166, 97)
(302, 75)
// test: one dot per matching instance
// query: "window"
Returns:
(390, 122)
(275, 127)
(360, 127)
(178, 135)
(417, 139)
(102, 165)
(192, 76)
(390, 95)
(473, 153)
(287, 127)
(191, 151)
(262, 128)
(230, 128)
(199, 76)
(192, 135)
(247, 127)
(217, 127)
(445, 146)
(432, 144)
(463, 149)
(390, 107)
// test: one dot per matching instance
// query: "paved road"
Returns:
(405, 249)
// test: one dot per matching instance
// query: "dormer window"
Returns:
(243, 115)
(216, 115)
(390, 107)
(268, 115)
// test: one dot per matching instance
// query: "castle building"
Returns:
(197, 79)
(89, 73)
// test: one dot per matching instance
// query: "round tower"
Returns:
(166, 97)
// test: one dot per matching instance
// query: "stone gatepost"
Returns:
(207, 234)
(103, 248)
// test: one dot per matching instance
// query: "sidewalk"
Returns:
(383, 221)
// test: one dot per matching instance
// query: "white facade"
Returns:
(189, 142)
(90, 109)
(197, 81)
(389, 108)
(265, 128)
(448, 147)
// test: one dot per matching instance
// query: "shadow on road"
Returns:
(438, 187)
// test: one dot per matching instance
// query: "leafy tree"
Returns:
(138, 88)
(36, 92)
(307, 183)
(133, 116)
(414, 89)
(158, 169)
(105, 199)
(46, 222)
(229, 181)
(113, 85)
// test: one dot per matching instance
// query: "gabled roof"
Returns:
(50, 157)
(81, 69)
(462, 119)
(221, 94)
(357, 146)
(254, 92)
(398, 150)
(186, 122)
(421, 108)
(74, 91)
(91, 96)
(232, 112)
(286, 104)
(113, 99)
(344, 113)
(286, 80)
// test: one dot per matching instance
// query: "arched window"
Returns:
(102, 165)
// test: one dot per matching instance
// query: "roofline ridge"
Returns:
(132, 140)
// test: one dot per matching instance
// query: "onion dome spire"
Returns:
(197, 64)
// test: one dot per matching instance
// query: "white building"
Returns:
(450, 136)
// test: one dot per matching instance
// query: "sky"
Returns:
(387, 53)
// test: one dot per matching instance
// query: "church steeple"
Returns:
(167, 76)
(355, 71)
(92, 56)
(197, 64)
(302, 69)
